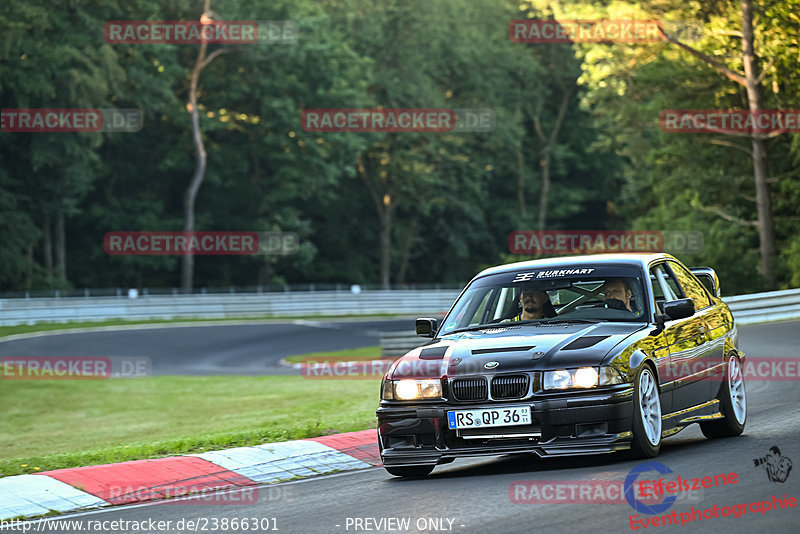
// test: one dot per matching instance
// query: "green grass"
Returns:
(44, 327)
(363, 353)
(56, 424)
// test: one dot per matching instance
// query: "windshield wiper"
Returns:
(529, 322)
(556, 321)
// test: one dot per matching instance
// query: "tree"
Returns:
(751, 80)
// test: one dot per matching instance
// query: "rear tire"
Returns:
(646, 442)
(412, 471)
(734, 404)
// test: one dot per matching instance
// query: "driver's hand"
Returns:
(615, 304)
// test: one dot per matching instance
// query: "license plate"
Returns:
(518, 415)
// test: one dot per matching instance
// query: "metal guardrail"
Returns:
(765, 307)
(220, 306)
(747, 309)
(395, 344)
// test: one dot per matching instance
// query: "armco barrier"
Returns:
(748, 309)
(295, 304)
(765, 307)
(394, 344)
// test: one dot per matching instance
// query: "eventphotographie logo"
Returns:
(777, 466)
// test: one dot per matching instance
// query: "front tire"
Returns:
(411, 471)
(734, 404)
(646, 442)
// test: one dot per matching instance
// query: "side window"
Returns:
(507, 304)
(691, 287)
(485, 303)
(664, 286)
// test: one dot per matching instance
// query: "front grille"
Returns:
(469, 389)
(509, 387)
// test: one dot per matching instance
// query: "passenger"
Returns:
(617, 294)
(535, 304)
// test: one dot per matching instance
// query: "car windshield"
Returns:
(581, 294)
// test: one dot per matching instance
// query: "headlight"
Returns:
(410, 389)
(586, 377)
(583, 377)
(557, 379)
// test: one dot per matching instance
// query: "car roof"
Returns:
(565, 262)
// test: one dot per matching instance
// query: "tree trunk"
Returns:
(521, 173)
(521, 182)
(386, 241)
(750, 81)
(545, 164)
(202, 61)
(29, 269)
(406, 252)
(549, 142)
(47, 244)
(385, 210)
(61, 247)
(187, 276)
(766, 230)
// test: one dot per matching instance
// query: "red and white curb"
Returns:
(78, 488)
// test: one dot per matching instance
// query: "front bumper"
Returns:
(567, 424)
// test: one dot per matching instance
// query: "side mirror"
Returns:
(426, 327)
(679, 309)
(708, 277)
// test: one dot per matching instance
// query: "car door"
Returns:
(714, 321)
(686, 340)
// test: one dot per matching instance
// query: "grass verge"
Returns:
(363, 353)
(57, 424)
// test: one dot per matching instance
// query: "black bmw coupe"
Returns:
(566, 356)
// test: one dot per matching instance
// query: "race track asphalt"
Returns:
(247, 349)
(474, 494)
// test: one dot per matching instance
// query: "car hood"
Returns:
(514, 348)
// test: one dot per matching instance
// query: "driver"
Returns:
(535, 304)
(617, 294)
